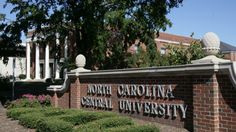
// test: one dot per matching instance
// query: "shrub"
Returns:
(29, 96)
(22, 76)
(29, 100)
(48, 119)
(53, 125)
(105, 123)
(23, 102)
(44, 100)
(133, 128)
(83, 117)
(5, 83)
(48, 80)
(17, 112)
(54, 112)
(30, 120)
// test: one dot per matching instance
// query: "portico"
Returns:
(41, 69)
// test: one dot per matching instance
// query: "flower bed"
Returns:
(33, 112)
(29, 100)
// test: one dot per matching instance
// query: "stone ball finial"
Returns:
(211, 43)
(80, 61)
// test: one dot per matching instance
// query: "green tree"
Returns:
(184, 55)
(176, 55)
(139, 59)
(2, 16)
(94, 26)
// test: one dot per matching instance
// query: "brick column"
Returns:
(206, 104)
(54, 99)
(75, 94)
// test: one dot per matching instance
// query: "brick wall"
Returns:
(75, 94)
(227, 104)
(210, 99)
(205, 103)
(182, 90)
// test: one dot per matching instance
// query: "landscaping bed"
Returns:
(35, 113)
(48, 119)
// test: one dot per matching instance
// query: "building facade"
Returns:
(7, 69)
(39, 62)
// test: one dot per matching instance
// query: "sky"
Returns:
(202, 16)
(198, 16)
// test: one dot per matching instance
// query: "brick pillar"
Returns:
(78, 93)
(54, 99)
(75, 94)
(206, 104)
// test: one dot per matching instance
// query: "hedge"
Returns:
(133, 128)
(54, 112)
(105, 123)
(83, 117)
(53, 125)
(16, 112)
(48, 119)
(31, 120)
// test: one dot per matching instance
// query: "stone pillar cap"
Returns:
(211, 47)
(211, 43)
(80, 61)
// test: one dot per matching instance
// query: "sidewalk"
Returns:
(8, 125)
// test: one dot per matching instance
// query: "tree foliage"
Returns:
(184, 55)
(2, 16)
(94, 27)
(176, 55)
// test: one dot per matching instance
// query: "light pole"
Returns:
(13, 81)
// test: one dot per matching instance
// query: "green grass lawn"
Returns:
(48, 119)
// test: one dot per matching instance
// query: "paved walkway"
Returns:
(8, 125)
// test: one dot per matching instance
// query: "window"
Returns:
(163, 51)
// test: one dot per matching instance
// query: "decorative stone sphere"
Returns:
(80, 61)
(211, 43)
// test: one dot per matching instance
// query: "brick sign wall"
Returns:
(160, 99)
(227, 104)
(196, 100)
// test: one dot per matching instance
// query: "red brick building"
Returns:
(166, 39)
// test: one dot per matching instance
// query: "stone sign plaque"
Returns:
(139, 99)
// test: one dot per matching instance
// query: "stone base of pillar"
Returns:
(37, 78)
(57, 76)
(27, 79)
(31, 80)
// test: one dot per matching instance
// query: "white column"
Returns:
(28, 61)
(37, 65)
(47, 68)
(57, 76)
(65, 56)
(57, 71)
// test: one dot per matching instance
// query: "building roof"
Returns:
(224, 47)
(176, 38)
